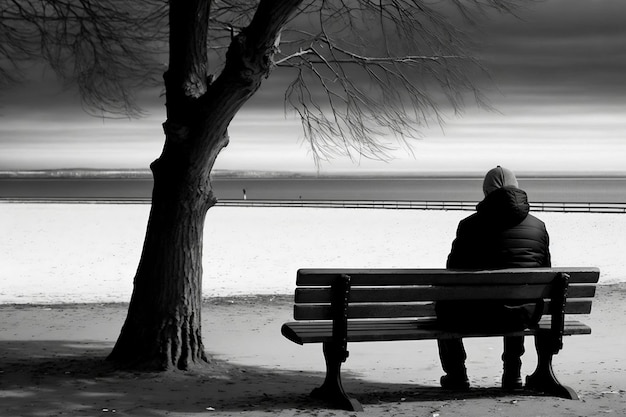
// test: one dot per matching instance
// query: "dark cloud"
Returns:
(560, 47)
(552, 50)
(559, 59)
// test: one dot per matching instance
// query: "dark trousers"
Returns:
(452, 355)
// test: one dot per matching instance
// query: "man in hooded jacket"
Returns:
(501, 234)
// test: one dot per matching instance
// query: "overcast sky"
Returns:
(559, 88)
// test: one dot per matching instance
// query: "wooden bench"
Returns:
(337, 306)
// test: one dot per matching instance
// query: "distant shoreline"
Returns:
(226, 174)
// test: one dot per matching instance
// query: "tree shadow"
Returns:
(53, 377)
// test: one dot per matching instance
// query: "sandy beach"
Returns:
(52, 364)
(67, 273)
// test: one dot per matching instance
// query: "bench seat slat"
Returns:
(317, 295)
(314, 326)
(369, 277)
(580, 306)
(388, 310)
(370, 330)
(355, 311)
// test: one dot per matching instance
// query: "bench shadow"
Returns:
(57, 377)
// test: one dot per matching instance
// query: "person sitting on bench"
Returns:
(500, 234)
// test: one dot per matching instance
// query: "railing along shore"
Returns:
(568, 207)
(565, 207)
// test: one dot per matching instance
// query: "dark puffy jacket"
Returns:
(501, 234)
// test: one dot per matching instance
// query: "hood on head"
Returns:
(498, 177)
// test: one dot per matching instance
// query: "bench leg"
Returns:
(543, 379)
(332, 389)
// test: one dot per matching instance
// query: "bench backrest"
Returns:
(391, 293)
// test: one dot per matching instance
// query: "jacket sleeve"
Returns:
(462, 254)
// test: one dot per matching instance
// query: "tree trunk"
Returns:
(162, 329)
(163, 326)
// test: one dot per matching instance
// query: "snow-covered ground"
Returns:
(57, 253)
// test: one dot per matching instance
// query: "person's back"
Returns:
(501, 234)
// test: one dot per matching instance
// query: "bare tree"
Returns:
(361, 70)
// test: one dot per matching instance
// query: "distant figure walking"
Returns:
(244, 194)
(501, 234)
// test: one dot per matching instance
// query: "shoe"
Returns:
(457, 383)
(512, 383)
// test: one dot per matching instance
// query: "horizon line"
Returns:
(229, 173)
